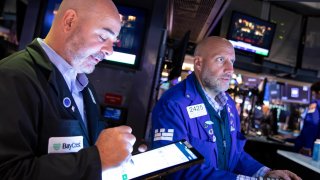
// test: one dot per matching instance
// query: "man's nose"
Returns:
(228, 67)
(107, 48)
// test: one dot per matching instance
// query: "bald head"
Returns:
(83, 32)
(80, 13)
(209, 44)
(88, 8)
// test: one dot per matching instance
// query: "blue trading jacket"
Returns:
(172, 121)
(311, 127)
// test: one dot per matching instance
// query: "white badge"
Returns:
(65, 144)
(196, 110)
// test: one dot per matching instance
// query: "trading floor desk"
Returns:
(264, 149)
(304, 161)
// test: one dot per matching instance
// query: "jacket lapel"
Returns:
(92, 113)
(65, 96)
(57, 82)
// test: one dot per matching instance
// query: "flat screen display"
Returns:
(273, 91)
(156, 162)
(251, 34)
(251, 82)
(112, 113)
(127, 49)
(297, 94)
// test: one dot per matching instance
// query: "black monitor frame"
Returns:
(241, 42)
(129, 45)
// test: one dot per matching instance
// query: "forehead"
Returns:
(222, 49)
(106, 15)
(105, 21)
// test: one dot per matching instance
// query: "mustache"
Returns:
(99, 55)
(226, 76)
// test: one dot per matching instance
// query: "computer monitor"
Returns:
(251, 34)
(128, 48)
(115, 116)
(251, 82)
(296, 94)
(273, 91)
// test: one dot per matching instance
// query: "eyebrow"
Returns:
(110, 31)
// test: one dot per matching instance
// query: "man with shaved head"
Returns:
(50, 126)
(198, 110)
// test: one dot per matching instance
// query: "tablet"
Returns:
(157, 162)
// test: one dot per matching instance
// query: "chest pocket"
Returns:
(59, 128)
(62, 128)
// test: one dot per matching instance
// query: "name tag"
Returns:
(65, 144)
(196, 110)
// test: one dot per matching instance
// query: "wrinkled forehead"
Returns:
(220, 48)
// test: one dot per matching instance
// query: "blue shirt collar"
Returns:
(76, 82)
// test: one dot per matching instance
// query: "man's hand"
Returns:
(283, 174)
(115, 146)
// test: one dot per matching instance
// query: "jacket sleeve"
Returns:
(168, 116)
(247, 165)
(20, 119)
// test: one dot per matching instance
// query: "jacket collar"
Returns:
(191, 91)
(43, 63)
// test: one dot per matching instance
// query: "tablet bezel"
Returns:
(174, 168)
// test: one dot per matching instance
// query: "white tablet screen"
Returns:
(151, 161)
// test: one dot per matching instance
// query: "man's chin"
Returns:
(88, 70)
(224, 88)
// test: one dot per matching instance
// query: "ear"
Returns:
(69, 20)
(198, 63)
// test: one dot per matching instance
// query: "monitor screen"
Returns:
(112, 113)
(127, 49)
(250, 34)
(297, 94)
(273, 91)
(114, 116)
(251, 82)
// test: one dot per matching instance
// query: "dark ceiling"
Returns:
(198, 16)
(306, 8)
(201, 16)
